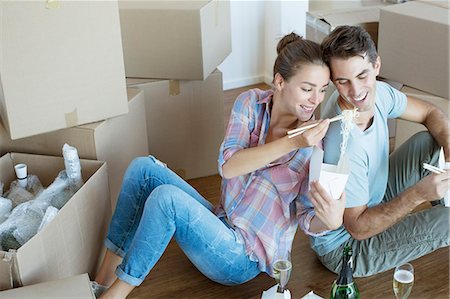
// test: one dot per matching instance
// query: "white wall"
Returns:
(256, 27)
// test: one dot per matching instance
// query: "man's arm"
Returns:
(363, 222)
(431, 117)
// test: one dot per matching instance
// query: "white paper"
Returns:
(328, 175)
(272, 294)
(444, 165)
(311, 295)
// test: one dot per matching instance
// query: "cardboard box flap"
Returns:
(350, 17)
(163, 5)
(76, 287)
(432, 11)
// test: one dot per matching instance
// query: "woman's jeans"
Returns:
(154, 205)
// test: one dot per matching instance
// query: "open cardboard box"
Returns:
(328, 175)
(76, 287)
(117, 141)
(72, 242)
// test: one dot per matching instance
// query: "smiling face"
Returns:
(355, 79)
(304, 91)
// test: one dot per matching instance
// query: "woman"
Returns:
(263, 173)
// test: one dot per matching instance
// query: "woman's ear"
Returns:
(278, 82)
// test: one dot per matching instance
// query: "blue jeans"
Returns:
(154, 205)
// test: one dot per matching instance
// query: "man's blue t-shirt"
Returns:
(368, 154)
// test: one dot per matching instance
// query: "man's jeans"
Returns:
(155, 204)
(414, 236)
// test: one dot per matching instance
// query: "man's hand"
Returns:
(329, 211)
(433, 186)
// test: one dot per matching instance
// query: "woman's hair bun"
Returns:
(286, 40)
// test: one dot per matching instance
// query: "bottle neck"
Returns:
(346, 274)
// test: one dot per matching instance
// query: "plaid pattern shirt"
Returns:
(265, 206)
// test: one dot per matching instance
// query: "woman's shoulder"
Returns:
(254, 96)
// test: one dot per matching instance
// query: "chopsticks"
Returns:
(300, 130)
(433, 169)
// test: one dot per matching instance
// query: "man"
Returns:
(382, 190)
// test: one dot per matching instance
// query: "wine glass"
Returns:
(403, 280)
(282, 268)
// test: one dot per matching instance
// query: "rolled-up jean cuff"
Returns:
(127, 278)
(113, 248)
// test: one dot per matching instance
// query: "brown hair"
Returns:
(293, 52)
(348, 41)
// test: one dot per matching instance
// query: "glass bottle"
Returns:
(344, 287)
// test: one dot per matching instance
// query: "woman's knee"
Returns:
(167, 197)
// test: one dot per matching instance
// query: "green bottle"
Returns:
(344, 287)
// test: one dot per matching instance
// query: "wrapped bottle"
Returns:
(344, 287)
(25, 188)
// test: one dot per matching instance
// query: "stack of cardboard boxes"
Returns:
(63, 69)
(412, 40)
(414, 47)
(179, 44)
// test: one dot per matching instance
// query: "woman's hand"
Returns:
(311, 136)
(328, 210)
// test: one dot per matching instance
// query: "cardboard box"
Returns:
(174, 39)
(72, 242)
(185, 124)
(76, 287)
(321, 22)
(406, 129)
(60, 67)
(414, 45)
(116, 140)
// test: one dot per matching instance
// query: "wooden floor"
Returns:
(175, 277)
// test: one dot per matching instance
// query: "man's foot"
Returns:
(98, 289)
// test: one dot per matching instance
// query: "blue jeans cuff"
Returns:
(127, 278)
(114, 248)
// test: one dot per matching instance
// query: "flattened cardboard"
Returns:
(76, 287)
(174, 39)
(116, 140)
(60, 67)
(414, 45)
(185, 129)
(72, 242)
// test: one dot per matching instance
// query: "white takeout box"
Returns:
(444, 165)
(328, 175)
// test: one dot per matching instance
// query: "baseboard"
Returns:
(231, 84)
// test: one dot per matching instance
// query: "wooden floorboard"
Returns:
(175, 277)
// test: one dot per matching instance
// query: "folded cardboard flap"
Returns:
(71, 243)
(76, 287)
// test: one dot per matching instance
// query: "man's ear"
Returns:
(377, 66)
(278, 82)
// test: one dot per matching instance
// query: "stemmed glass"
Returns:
(403, 280)
(282, 267)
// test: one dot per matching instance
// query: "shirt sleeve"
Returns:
(393, 100)
(305, 214)
(239, 128)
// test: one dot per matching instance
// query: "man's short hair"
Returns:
(348, 41)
